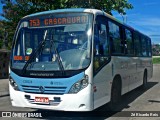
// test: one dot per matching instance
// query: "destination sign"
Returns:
(38, 22)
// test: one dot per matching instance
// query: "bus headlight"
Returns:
(79, 85)
(13, 84)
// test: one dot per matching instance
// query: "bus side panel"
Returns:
(134, 77)
(120, 67)
(102, 86)
(141, 66)
(149, 68)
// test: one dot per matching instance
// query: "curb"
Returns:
(4, 87)
(4, 94)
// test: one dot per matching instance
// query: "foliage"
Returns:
(14, 10)
(156, 60)
(156, 49)
(105, 5)
(1, 33)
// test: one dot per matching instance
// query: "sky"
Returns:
(144, 17)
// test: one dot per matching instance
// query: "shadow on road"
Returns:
(132, 95)
(102, 112)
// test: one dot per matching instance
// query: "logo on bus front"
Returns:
(41, 88)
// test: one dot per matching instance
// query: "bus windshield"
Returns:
(53, 42)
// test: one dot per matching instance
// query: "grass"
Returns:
(156, 60)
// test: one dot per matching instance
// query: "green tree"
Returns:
(13, 11)
(1, 34)
(105, 5)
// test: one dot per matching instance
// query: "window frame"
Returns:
(138, 35)
(120, 38)
(149, 47)
(125, 41)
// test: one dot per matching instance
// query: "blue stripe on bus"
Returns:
(51, 85)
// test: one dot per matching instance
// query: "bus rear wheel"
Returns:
(144, 86)
(115, 94)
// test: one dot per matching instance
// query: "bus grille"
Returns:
(46, 90)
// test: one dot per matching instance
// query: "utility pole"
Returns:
(124, 18)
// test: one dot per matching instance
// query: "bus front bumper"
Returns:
(82, 101)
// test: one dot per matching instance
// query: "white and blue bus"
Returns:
(76, 60)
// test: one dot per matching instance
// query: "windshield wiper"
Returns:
(33, 55)
(58, 56)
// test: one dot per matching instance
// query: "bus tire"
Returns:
(115, 94)
(144, 85)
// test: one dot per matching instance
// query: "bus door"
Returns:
(102, 71)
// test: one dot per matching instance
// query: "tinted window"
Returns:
(144, 46)
(114, 36)
(137, 44)
(128, 42)
(149, 49)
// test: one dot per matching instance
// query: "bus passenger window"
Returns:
(128, 42)
(149, 49)
(112, 44)
(144, 46)
(115, 39)
(137, 45)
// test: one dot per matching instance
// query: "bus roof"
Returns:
(88, 10)
(94, 11)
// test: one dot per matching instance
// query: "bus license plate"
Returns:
(42, 100)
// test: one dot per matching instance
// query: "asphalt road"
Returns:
(134, 106)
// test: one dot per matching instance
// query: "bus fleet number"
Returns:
(34, 22)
